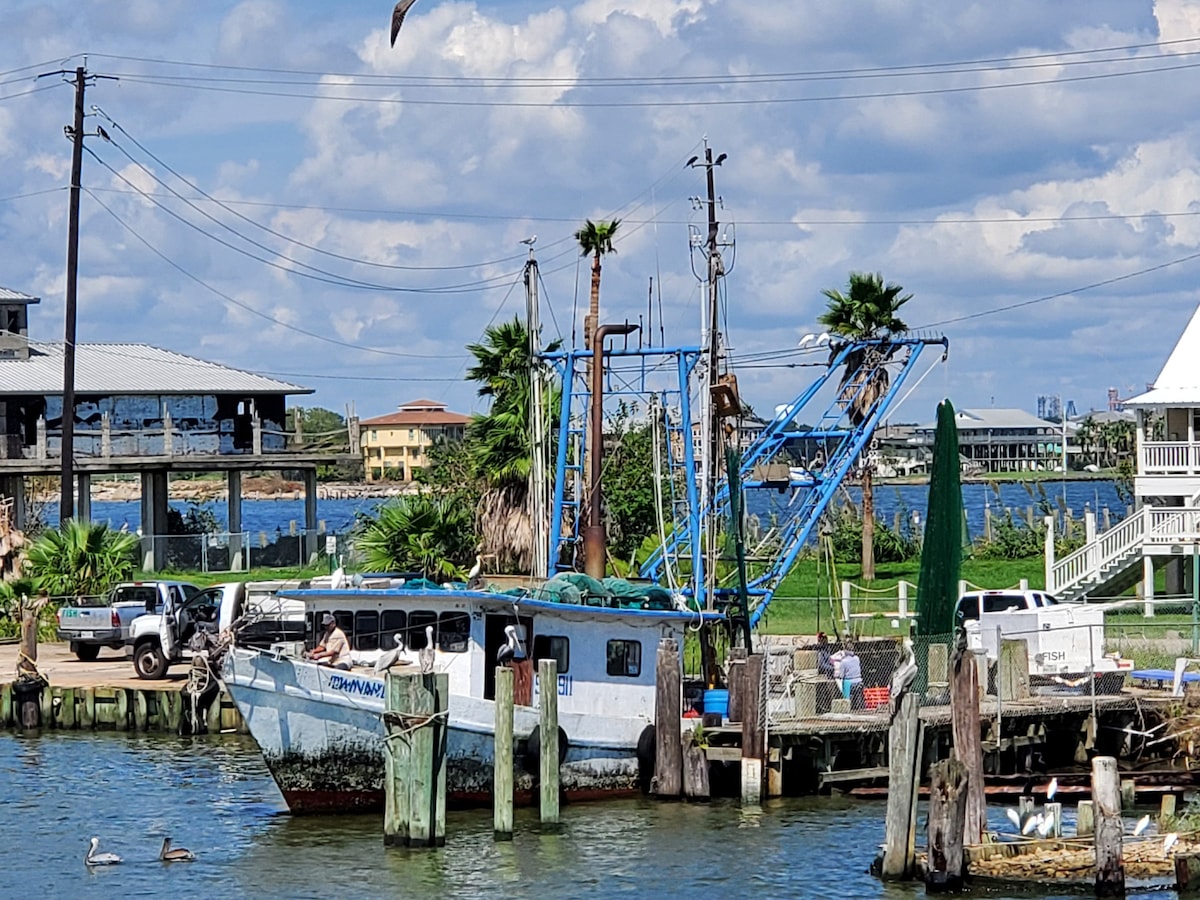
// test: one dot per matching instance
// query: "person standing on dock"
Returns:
(848, 670)
(334, 649)
(824, 664)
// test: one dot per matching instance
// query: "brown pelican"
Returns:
(426, 653)
(179, 854)
(512, 646)
(398, 15)
(99, 859)
(388, 659)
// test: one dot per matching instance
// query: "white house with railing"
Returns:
(1164, 529)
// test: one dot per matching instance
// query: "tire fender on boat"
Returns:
(533, 748)
(646, 751)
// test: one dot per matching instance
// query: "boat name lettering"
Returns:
(356, 686)
(566, 685)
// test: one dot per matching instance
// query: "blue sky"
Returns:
(983, 155)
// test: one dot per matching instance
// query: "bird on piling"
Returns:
(179, 854)
(1051, 789)
(426, 653)
(398, 15)
(1141, 825)
(906, 672)
(388, 659)
(100, 859)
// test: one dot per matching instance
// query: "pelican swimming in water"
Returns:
(1141, 825)
(100, 859)
(388, 659)
(179, 854)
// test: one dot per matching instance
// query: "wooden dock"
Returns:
(107, 694)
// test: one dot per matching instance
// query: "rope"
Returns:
(409, 723)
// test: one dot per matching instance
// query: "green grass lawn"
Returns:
(204, 579)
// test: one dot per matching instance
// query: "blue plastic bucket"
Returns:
(717, 701)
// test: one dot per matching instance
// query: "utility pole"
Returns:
(539, 500)
(66, 503)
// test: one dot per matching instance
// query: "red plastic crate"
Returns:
(876, 696)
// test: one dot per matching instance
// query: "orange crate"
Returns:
(876, 696)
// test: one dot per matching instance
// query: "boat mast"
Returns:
(538, 487)
(710, 422)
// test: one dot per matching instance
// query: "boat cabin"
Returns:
(605, 656)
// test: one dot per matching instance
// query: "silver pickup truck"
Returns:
(91, 623)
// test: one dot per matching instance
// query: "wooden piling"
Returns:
(668, 701)
(965, 727)
(502, 757)
(67, 710)
(397, 756)
(6, 701)
(1085, 819)
(695, 768)
(753, 739)
(949, 783)
(736, 682)
(1025, 804)
(1166, 808)
(1106, 795)
(902, 750)
(85, 706)
(1187, 874)
(212, 716)
(548, 725)
(121, 709)
(1054, 810)
(1013, 670)
(1128, 794)
(105, 706)
(141, 711)
(47, 707)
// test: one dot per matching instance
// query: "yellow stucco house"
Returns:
(395, 446)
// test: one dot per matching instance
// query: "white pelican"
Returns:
(426, 653)
(1141, 825)
(179, 854)
(99, 859)
(388, 659)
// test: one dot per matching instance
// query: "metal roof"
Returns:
(976, 419)
(1178, 384)
(131, 369)
(10, 296)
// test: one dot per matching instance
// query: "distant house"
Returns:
(395, 446)
(1002, 440)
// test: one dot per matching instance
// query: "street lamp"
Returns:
(594, 538)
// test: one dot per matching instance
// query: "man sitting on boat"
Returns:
(334, 649)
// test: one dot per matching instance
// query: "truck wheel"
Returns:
(149, 662)
(86, 652)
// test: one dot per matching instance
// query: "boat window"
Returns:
(394, 622)
(624, 659)
(552, 646)
(308, 630)
(366, 630)
(417, 622)
(454, 632)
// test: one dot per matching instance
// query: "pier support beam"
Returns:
(1148, 586)
(753, 744)
(1106, 795)
(233, 514)
(502, 770)
(415, 759)
(310, 516)
(154, 520)
(83, 497)
(548, 725)
(968, 748)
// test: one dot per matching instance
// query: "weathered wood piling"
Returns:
(1106, 795)
(548, 781)
(967, 734)
(668, 752)
(903, 770)
(415, 708)
(502, 768)
(947, 819)
(753, 738)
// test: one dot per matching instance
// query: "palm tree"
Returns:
(595, 240)
(80, 558)
(431, 534)
(500, 442)
(867, 311)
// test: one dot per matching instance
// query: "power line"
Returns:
(1056, 58)
(238, 303)
(659, 104)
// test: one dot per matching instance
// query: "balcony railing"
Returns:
(1169, 458)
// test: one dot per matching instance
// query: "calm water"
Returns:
(215, 796)
(339, 515)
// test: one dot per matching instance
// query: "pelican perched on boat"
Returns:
(512, 645)
(100, 859)
(388, 659)
(179, 854)
(426, 653)
(474, 577)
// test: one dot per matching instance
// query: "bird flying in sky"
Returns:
(398, 14)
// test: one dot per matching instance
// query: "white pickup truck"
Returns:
(261, 618)
(1065, 641)
(88, 624)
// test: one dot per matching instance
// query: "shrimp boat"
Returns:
(321, 730)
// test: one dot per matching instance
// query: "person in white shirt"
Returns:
(334, 649)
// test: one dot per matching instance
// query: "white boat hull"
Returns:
(321, 734)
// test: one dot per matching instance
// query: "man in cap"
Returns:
(334, 649)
